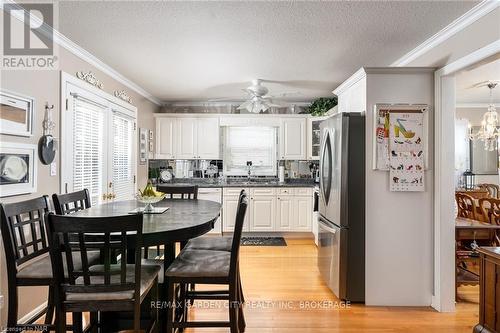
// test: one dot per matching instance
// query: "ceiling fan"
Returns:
(258, 99)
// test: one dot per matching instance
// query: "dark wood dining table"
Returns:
(184, 219)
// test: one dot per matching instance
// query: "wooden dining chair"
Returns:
(209, 267)
(174, 192)
(493, 189)
(466, 206)
(491, 213)
(71, 202)
(27, 255)
(179, 192)
(103, 287)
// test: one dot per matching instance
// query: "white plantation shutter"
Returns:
(123, 168)
(88, 147)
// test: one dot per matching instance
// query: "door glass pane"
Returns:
(88, 148)
(123, 161)
(326, 168)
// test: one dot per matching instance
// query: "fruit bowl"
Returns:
(149, 200)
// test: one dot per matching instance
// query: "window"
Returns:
(256, 144)
(98, 144)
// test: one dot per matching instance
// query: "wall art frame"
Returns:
(18, 168)
(16, 114)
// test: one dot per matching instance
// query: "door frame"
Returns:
(68, 79)
(443, 298)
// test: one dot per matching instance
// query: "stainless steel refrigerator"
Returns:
(341, 224)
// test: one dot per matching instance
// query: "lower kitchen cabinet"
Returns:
(271, 209)
(302, 220)
(262, 212)
(284, 213)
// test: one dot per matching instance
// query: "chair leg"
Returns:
(77, 322)
(49, 315)
(154, 309)
(170, 300)
(60, 321)
(242, 297)
(12, 308)
(94, 322)
(137, 317)
(241, 316)
(233, 307)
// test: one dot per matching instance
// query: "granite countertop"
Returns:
(241, 183)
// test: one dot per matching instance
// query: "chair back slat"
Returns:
(71, 202)
(238, 229)
(23, 231)
(182, 192)
(84, 234)
(493, 189)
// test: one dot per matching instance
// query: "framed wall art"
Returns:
(143, 145)
(16, 114)
(18, 168)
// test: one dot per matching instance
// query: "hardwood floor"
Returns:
(277, 281)
(274, 274)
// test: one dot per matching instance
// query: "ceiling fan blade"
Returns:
(225, 99)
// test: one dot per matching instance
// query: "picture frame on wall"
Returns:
(143, 145)
(18, 168)
(16, 114)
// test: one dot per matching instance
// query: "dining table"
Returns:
(469, 231)
(182, 220)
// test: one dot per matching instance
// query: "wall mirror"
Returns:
(483, 162)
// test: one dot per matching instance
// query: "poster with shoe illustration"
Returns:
(406, 151)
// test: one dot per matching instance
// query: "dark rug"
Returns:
(263, 241)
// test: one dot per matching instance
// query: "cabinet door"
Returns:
(187, 138)
(229, 208)
(293, 139)
(165, 137)
(262, 212)
(284, 214)
(313, 137)
(303, 214)
(208, 138)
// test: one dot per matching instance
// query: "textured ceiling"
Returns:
(489, 71)
(187, 51)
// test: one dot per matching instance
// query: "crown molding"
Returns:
(86, 56)
(474, 105)
(447, 32)
(353, 79)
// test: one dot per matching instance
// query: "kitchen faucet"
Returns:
(249, 167)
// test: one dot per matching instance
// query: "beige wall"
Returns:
(44, 86)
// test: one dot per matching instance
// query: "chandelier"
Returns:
(488, 132)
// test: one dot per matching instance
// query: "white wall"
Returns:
(399, 239)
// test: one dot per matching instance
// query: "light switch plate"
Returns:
(53, 169)
(1, 301)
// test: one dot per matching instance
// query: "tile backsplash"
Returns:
(200, 168)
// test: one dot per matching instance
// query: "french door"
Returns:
(99, 146)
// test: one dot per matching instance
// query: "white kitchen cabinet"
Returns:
(284, 212)
(229, 208)
(208, 138)
(293, 139)
(302, 220)
(186, 136)
(165, 137)
(212, 194)
(313, 137)
(262, 212)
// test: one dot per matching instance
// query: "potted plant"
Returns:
(320, 106)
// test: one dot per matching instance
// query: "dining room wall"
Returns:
(44, 87)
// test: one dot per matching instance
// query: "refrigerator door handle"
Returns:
(326, 227)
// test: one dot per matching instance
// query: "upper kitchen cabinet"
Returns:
(313, 137)
(165, 137)
(208, 138)
(187, 138)
(180, 137)
(293, 139)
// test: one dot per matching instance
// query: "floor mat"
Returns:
(263, 241)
